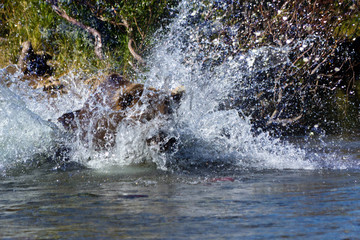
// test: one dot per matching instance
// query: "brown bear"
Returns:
(115, 100)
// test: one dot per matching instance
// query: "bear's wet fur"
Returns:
(116, 100)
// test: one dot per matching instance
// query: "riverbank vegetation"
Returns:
(319, 88)
(90, 35)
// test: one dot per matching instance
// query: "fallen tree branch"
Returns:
(92, 31)
(132, 51)
(123, 23)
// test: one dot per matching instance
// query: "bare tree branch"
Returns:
(96, 34)
(132, 51)
(92, 31)
(131, 40)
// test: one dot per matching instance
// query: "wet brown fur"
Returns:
(113, 101)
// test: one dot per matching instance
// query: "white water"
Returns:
(23, 134)
(206, 134)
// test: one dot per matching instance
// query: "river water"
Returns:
(223, 180)
(145, 203)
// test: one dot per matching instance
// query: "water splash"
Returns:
(47, 106)
(23, 134)
(210, 72)
(209, 128)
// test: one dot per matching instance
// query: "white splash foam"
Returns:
(205, 133)
(23, 134)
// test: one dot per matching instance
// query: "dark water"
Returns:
(141, 202)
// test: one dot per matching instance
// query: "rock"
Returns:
(32, 63)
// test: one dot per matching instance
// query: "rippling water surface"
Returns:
(145, 203)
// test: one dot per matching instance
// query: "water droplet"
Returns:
(216, 41)
(258, 33)
(289, 41)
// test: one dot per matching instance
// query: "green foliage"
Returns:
(350, 28)
(71, 46)
(21, 21)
